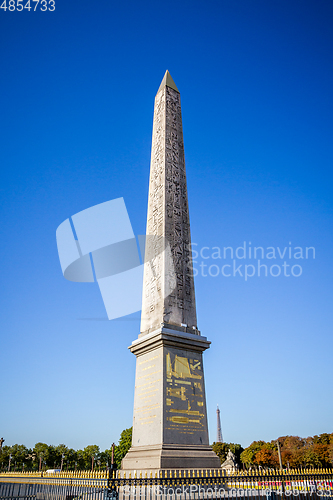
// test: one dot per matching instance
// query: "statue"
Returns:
(230, 462)
(1, 443)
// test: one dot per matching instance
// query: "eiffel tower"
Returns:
(219, 438)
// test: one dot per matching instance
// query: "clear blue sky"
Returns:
(77, 92)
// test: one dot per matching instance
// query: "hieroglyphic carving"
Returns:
(185, 404)
(152, 297)
(168, 222)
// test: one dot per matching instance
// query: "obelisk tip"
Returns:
(168, 81)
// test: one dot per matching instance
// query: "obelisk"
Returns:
(170, 419)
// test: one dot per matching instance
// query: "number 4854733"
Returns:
(19, 5)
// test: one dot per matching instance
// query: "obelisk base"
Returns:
(170, 457)
(170, 423)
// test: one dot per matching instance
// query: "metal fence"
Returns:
(169, 485)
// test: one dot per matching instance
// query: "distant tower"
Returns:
(219, 438)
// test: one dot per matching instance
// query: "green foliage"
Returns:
(80, 460)
(221, 450)
(248, 455)
(41, 455)
(316, 451)
(4, 457)
(323, 439)
(91, 454)
(41, 450)
(18, 452)
(125, 442)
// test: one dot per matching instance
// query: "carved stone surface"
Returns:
(168, 289)
(170, 418)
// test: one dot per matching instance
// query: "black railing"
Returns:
(168, 485)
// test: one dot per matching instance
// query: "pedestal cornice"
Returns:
(169, 337)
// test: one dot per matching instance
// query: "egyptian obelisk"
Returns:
(170, 420)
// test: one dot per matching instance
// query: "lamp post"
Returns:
(92, 462)
(279, 453)
(10, 460)
(112, 457)
(112, 493)
(113, 465)
(75, 466)
(62, 462)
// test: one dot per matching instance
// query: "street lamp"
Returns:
(279, 453)
(62, 462)
(113, 466)
(40, 462)
(10, 459)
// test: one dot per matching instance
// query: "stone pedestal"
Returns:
(170, 421)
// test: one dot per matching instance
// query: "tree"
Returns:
(330, 453)
(4, 456)
(125, 442)
(90, 454)
(266, 456)
(249, 454)
(105, 458)
(80, 459)
(322, 453)
(63, 454)
(42, 454)
(316, 451)
(293, 450)
(221, 450)
(60, 456)
(322, 439)
(19, 453)
(71, 458)
(30, 460)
